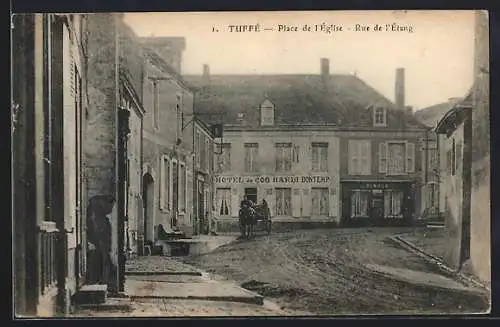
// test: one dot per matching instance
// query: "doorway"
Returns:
(148, 203)
(201, 206)
(377, 206)
(251, 194)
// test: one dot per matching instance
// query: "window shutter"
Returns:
(270, 198)
(366, 158)
(235, 206)
(352, 157)
(410, 157)
(296, 203)
(162, 183)
(382, 162)
(306, 203)
(170, 185)
(332, 202)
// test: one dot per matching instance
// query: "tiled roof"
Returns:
(342, 100)
(430, 116)
(157, 61)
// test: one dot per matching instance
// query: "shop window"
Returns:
(320, 203)
(223, 201)
(320, 157)
(283, 156)
(251, 154)
(359, 203)
(223, 157)
(393, 203)
(283, 202)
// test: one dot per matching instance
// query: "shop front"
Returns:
(290, 198)
(377, 203)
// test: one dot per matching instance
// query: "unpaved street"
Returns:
(324, 272)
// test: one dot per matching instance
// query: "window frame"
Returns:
(320, 190)
(228, 202)
(253, 162)
(358, 145)
(376, 111)
(281, 190)
(279, 154)
(319, 146)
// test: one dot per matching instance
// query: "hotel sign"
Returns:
(272, 179)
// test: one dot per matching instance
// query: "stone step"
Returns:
(110, 305)
(91, 294)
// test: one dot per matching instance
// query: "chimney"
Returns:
(400, 88)
(206, 74)
(325, 67)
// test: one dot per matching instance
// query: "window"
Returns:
(267, 113)
(283, 156)
(379, 117)
(433, 159)
(179, 110)
(223, 157)
(165, 175)
(396, 158)
(283, 202)
(458, 156)
(320, 205)
(359, 157)
(175, 186)
(203, 154)
(223, 201)
(197, 148)
(206, 165)
(396, 162)
(251, 154)
(320, 157)
(156, 105)
(393, 202)
(359, 203)
(182, 187)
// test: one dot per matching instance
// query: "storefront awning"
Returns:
(455, 116)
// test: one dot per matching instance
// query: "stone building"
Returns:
(203, 188)
(48, 118)
(113, 144)
(167, 141)
(309, 145)
(466, 152)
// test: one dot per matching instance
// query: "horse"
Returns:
(247, 217)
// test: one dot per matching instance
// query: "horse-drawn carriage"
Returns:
(256, 217)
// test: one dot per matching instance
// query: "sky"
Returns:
(437, 53)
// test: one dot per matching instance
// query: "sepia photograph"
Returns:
(250, 164)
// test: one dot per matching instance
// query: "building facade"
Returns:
(318, 148)
(49, 105)
(466, 128)
(113, 147)
(168, 174)
(203, 187)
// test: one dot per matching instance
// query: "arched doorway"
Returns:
(148, 203)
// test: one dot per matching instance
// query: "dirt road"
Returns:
(323, 272)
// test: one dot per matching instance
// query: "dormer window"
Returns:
(379, 117)
(267, 113)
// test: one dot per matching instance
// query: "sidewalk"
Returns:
(431, 245)
(159, 286)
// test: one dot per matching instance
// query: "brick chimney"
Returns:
(206, 74)
(400, 88)
(325, 67)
